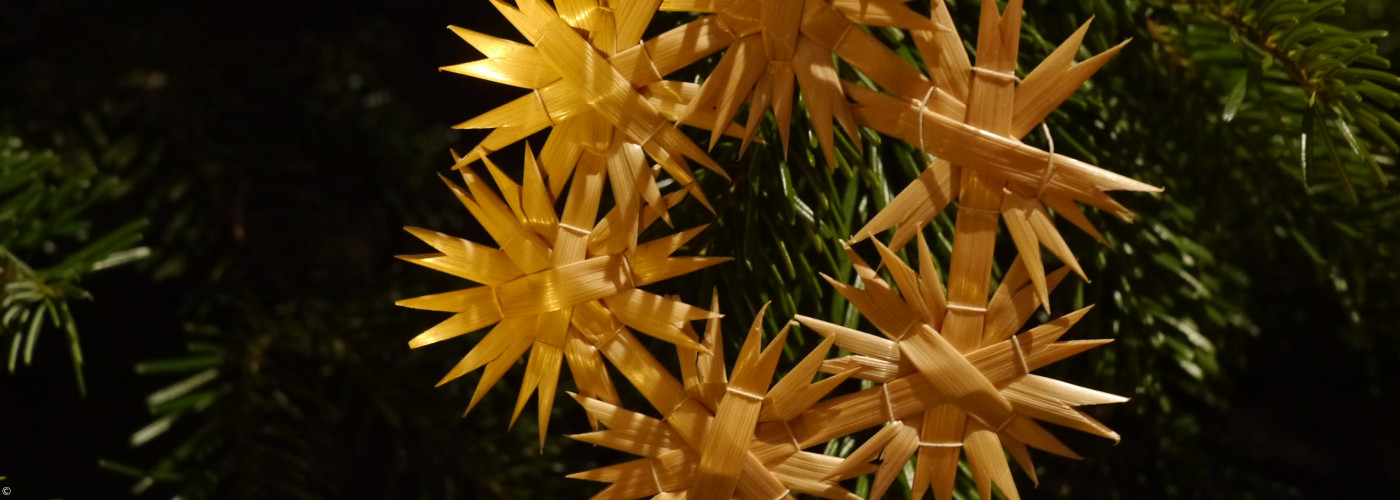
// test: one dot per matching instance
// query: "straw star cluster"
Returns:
(557, 286)
(949, 373)
(720, 436)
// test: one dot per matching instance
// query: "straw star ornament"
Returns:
(557, 286)
(936, 334)
(953, 374)
(997, 399)
(720, 436)
(998, 105)
(591, 90)
(776, 42)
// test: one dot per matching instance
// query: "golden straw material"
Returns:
(591, 79)
(953, 379)
(1041, 92)
(777, 42)
(1004, 365)
(979, 162)
(720, 436)
(556, 286)
(981, 400)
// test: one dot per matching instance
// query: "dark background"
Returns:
(279, 149)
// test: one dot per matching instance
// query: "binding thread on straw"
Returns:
(923, 105)
(1020, 357)
(958, 306)
(743, 393)
(627, 271)
(1049, 165)
(575, 230)
(797, 445)
(889, 406)
(944, 444)
(996, 75)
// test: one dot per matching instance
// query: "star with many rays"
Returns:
(990, 405)
(775, 42)
(999, 104)
(558, 286)
(720, 436)
(601, 91)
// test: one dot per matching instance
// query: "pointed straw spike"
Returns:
(767, 362)
(1071, 211)
(509, 189)
(1032, 434)
(783, 89)
(855, 341)
(896, 454)
(1049, 85)
(822, 91)
(533, 371)
(867, 451)
(1045, 232)
(488, 349)
(488, 45)
(1024, 236)
(988, 463)
(749, 65)
(1022, 455)
(549, 382)
(1053, 330)
(942, 425)
(1062, 56)
(536, 201)
(656, 316)
(456, 325)
(942, 52)
(932, 284)
(712, 369)
(908, 281)
(713, 85)
(497, 368)
(749, 352)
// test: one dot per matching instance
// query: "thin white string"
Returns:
(1020, 357)
(1005, 77)
(920, 116)
(966, 308)
(792, 437)
(1049, 165)
(889, 406)
(575, 230)
(743, 393)
(627, 272)
(946, 444)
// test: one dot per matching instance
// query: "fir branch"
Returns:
(1339, 73)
